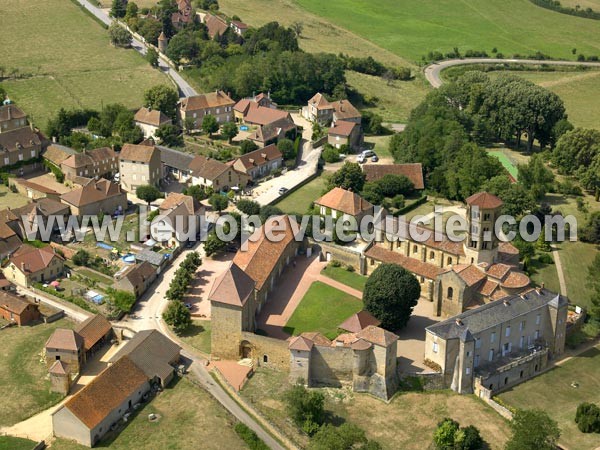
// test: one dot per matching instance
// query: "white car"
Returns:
(364, 155)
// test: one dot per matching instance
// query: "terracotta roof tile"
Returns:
(300, 343)
(63, 339)
(207, 168)
(32, 258)
(516, 280)
(175, 199)
(343, 109)
(233, 287)
(498, 270)
(12, 303)
(415, 266)
(262, 255)
(484, 200)
(25, 137)
(56, 153)
(357, 322)
(377, 336)
(93, 329)
(320, 102)
(35, 186)
(137, 153)
(215, 25)
(11, 111)
(93, 192)
(205, 101)
(152, 117)
(262, 115)
(58, 368)
(413, 171)
(139, 273)
(261, 156)
(317, 338)
(342, 128)
(469, 273)
(106, 392)
(345, 201)
(488, 287)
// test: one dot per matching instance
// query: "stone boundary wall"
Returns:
(276, 351)
(345, 256)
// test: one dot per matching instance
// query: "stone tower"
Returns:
(481, 245)
(60, 378)
(162, 42)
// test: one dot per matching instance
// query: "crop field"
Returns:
(411, 29)
(63, 58)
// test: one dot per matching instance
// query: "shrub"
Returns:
(330, 154)
(588, 418)
(249, 437)
(350, 268)
(335, 263)
(306, 408)
(545, 258)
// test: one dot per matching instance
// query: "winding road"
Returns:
(433, 71)
(184, 87)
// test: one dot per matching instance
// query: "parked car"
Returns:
(364, 155)
(374, 158)
(283, 190)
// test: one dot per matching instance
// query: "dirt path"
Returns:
(559, 270)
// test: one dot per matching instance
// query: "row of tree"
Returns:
(577, 153)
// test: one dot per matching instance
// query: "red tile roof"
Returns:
(259, 157)
(205, 101)
(93, 329)
(152, 117)
(413, 171)
(232, 287)
(484, 200)
(342, 128)
(377, 336)
(12, 303)
(470, 274)
(343, 109)
(345, 201)
(262, 115)
(300, 343)
(415, 266)
(516, 280)
(63, 339)
(138, 153)
(93, 192)
(360, 320)
(33, 259)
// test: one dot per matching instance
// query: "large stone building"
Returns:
(139, 165)
(101, 196)
(29, 265)
(217, 104)
(324, 112)
(453, 275)
(11, 117)
(150, 120)
(259, 163)
(96, 163)
(498, 345)
(343, 204)
(208, 172)
(18, 309)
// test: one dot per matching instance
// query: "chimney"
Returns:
(9, 112)
(23, 266)
(459, 322)
(506, 303)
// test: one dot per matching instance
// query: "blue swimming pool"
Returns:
(104, 246)
(129, 258)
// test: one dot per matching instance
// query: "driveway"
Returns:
(433, 71)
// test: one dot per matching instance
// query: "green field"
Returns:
(300, 200)
(506, 162)
(69, 58)
(411, 29)
(322, 309)
(197, 335)
(553, 393)
(579, 90)
(352, 279)
(24, 388)
(14, 443)
(180, 426)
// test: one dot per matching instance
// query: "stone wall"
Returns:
(275, 350)
(331, 366)
(226, 331)
(339, 253)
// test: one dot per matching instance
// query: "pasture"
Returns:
(67, 61)
(412, 29)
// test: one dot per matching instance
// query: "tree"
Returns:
(122, 300)
(297, 27)
(189, 124)
(229, 130)
(533, 430)
(152, 57)
(131, 11)
(213, 244)
(170, 135)
(445, 434)
(177, 316)
(195, 191)
(391, 185)
(248, 207)
(390, 294)
(119, 8)
(345, 437)
(286, 147)
(119, 36)
(210, 124)
(542, 244)
(269, 211)
(247, 146)
(81, 258)
(350, 177)
(594, 280)
(576, 148)
(587, 418)
(162, 98)
(148, 193)
(218, 202)
(536, 177)
(330, 154)
(306, 408)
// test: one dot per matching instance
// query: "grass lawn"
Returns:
(545, 273)
(411, 29)
(580, 90)
(393, 101)
(24, 388)
(75, 69)
(300, 200)
(9, 199)
(15, 443)
(198, 335)
(189, 419)
(96, 276)
(506, 162)
(553, 393)
(381, 145)
(352, 279)
(322, 309)
(407, 422)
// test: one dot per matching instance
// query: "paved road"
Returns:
(433, 71)
(184, 88)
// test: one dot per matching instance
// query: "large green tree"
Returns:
(576, 148)
(210, 124)
(306, 408)
(162, 98)
(533, 430)
(177, 316)
(390, 294)
(536, 177)
(148, 193)
(119, 36)
(350, 176)
(170, 135)
(344, 437)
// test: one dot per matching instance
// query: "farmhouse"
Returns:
(324, 112)
(56, 154)
(345, 133)
(272, 133)
(67, 347)
(178, 220)
(97, 163)
(38, 215)
(11, 117)
(29, 265)
(18, 309)
(498, 345)
(137, 279)
(341, 203)
(150, 120)
(217, 104)
(260, 162)
(21, 144)
(139, 165)
(96, 197)
(242, 107)
(412, 171)
(208, 172)
(215, 25)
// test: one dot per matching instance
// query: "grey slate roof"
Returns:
(174, 158)
(152, 352)
(153, 258)
(495, 313)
